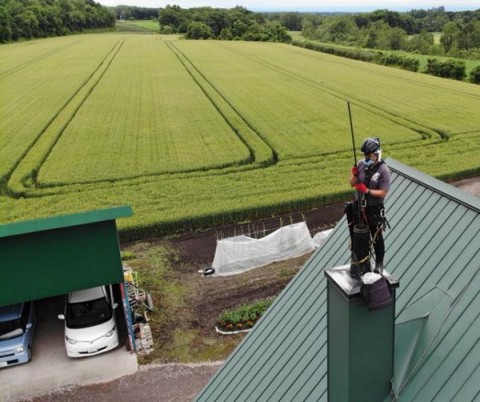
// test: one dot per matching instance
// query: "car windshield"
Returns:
(10, 329)
(88, 313)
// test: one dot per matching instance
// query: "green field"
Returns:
(199, 133)
(140, 26)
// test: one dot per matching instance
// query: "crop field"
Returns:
(194, 134)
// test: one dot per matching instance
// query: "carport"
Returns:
(54, 256)
(49, 257)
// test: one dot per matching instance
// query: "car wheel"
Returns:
(29, 352)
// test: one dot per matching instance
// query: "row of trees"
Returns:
(412, 31)
(382, 29)
(27, 19)
(229, 24)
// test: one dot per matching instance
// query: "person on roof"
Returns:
(371, 179)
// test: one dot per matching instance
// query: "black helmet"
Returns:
(370, 145)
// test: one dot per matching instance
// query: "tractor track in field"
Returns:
(370, 107)
(30, 62)
(101, 69)
(184, 60)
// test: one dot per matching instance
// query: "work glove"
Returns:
(361, 187)
(354, 170)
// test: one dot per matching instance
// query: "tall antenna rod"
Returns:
(358, 195)
(353, 136)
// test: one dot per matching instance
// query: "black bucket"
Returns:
(360, 251)
(377, 295)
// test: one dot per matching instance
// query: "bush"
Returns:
(392, 59)
(198, 30)
(454, 69)
(167, 29)
(475, 75)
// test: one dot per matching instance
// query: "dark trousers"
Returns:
(375, 223)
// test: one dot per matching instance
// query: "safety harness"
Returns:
(360, 260)
(382, 223)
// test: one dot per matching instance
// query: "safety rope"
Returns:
(362, 260)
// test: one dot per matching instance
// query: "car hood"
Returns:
(8, 344)
(90, 334)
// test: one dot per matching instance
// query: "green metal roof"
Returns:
(63, 221)
(433, 248)
(53, 256)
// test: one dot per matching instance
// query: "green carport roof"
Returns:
(63, 221)
(53, 256)
(433, 247)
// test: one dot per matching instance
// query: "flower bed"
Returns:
(243, 317)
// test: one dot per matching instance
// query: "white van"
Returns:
(90, 326)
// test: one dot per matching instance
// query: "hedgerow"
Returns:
(371, 56)
(454, 69)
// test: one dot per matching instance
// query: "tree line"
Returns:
(412, 31)
(27, 19)
(217, 23)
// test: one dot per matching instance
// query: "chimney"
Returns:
(360, 338)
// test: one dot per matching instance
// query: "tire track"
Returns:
(30, 62)
(185, 60)
(424, 131)
(24, 173)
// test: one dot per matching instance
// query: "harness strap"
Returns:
(362, 260)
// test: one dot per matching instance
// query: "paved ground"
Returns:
(50, 367)
(471, 186)
(160, 383)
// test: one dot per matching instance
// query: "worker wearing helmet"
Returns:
(371, 179)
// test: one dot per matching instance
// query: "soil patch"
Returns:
(210, 296)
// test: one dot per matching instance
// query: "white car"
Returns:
(90, 326)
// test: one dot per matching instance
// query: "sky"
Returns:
(305, 5)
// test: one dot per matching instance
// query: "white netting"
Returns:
(321, 237)
(238, 254)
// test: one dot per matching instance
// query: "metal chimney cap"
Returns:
(351, 287)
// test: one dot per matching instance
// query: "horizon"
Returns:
(347, 6)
